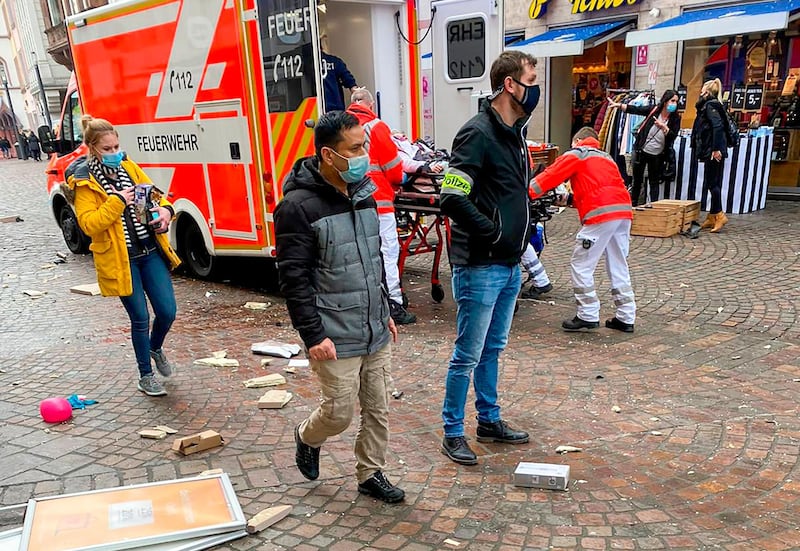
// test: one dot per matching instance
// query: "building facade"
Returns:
(55, 13)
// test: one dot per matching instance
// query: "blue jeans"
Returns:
(150, 276)
(485, 296)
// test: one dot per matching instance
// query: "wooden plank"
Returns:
(267, 518)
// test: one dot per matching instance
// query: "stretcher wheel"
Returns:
(437, 292)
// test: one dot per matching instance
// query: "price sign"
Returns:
(753, 97)
(682, 98)
(737, 96)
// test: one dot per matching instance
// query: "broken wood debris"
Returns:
(274, 399)
(273, 379)
(90, 289)
(267, 518)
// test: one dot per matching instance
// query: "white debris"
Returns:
(616, 409)
(567, 449)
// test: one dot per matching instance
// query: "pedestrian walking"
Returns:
(5, 147)
(23, 145)
(386, 171)
(132, 259)
(329, 263)
(484, 194)
(604, 207)
(34, 147)
(653, 142)
(709, 142)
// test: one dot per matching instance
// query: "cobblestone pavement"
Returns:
(703, 453)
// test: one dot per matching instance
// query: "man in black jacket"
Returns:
(331, 273)
(485, 195)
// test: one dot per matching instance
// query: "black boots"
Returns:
(535, 293)
(458, 450)
(615, 323)
(306, 457)
(379, 487)
(400, 315)
(577, 324)
(499, 431)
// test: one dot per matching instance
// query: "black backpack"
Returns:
(728, 123)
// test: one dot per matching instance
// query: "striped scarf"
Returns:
(130, 222)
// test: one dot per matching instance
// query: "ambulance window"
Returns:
(286, 42)
(466, 48)
(75, 115)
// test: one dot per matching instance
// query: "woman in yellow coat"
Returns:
(132, 258)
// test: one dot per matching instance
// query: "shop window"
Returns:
(606, 66)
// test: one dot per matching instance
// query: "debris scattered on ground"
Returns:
(217, 362)
(567, 449)
(274, 399)
(90, 289)
(62, 256)
(736, 357)
(197, 442)
(211, 471)
(273, 379)
(656, 433)
(33, 293)
(397, 394)
(154, 434)
(7, 219)
(655, 419)
(273, 348)
(165, 428)
(267, 518)
(719, 310)
(219, 354)
(452, 543)
(80, 401)
(547, 476)
(209, 294)
(265, 362)
(289, 369)
(298, 363)
(257, 305)
(616, 409)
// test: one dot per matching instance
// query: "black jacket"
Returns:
(673, 123)
(485, 191)
(708, 131)
(329, 262)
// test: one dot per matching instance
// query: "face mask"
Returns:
(113, 160)
(356, 168)
(671, 108)
(530, 99)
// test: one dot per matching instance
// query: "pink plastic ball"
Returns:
(55, 410)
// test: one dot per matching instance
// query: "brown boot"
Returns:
(709, 221)
(720, 221)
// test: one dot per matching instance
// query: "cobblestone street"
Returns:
(702, 454)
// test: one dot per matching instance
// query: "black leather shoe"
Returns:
(615, 323)
(458, 450)
(576, 324)
(500, 432)
(534, 293)
(400, 315)
(306, 457)
(379, 487)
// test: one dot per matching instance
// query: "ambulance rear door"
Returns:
(467, 38)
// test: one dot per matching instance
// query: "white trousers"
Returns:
(390, 251)
(534, 267)
(613, 239)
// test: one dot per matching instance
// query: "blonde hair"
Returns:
(714, 88)
(93, 130)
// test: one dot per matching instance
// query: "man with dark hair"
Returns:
(484, 194)
(331, 273)
(604, 206)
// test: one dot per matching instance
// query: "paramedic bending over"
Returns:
(132, 259)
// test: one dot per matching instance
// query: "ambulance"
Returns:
(216, 99)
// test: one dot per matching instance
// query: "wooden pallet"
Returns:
(657, 221)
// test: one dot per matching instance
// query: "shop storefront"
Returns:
(591, 49)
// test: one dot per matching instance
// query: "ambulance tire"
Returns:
(192, 250)
(77, 241)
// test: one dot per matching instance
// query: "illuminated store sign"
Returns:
(539, 7)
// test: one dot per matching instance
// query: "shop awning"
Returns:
(723, 21)
(572, 40)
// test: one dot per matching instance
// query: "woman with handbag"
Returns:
(132, 255)
(710, 144)
(653, 142)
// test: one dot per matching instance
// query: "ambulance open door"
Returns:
(467, 38)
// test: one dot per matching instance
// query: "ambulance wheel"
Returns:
(76, 240)
(437, 292)
(193, 252)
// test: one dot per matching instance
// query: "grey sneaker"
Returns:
(162, 364)
(150, 386)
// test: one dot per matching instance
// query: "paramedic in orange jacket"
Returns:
(604, 207)
(386, 170)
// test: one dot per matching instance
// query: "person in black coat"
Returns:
(711, 147)
(33, 146)
(654, 140)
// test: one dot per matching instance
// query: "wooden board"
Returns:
(690, 210)
(661, 221)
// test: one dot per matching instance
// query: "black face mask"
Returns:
(530, 99)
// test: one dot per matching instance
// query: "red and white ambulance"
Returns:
(213, 97)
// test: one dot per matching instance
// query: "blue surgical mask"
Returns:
(356, 168)
(530, 99)
(671, 108)
(113, 160)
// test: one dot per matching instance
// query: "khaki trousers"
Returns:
(365, 378)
